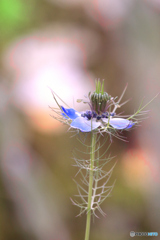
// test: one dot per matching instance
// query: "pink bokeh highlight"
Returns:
(110, 14)
(137, 168)
(40, 63)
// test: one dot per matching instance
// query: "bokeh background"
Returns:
(64, 45)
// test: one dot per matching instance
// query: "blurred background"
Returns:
(64, 45)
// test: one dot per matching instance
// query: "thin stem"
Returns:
(88, 221)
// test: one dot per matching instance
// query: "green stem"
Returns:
(88, 221)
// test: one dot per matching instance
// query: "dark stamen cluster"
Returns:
(93, 114)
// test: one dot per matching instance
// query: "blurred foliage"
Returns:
(15, 15)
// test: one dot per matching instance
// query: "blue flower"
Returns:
(102, 114)
(90, 120)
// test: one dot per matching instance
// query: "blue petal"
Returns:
(119, 123)
(130, 124)
(69, 113)
(85, 125)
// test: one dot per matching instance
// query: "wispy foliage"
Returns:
(100, 189)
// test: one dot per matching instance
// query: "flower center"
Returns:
(92, 114)
(99, 102)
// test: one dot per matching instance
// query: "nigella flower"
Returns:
(91, 120)
(99, 117)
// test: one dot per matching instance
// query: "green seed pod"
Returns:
(99, 96)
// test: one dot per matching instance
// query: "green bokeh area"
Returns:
(14, 15)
